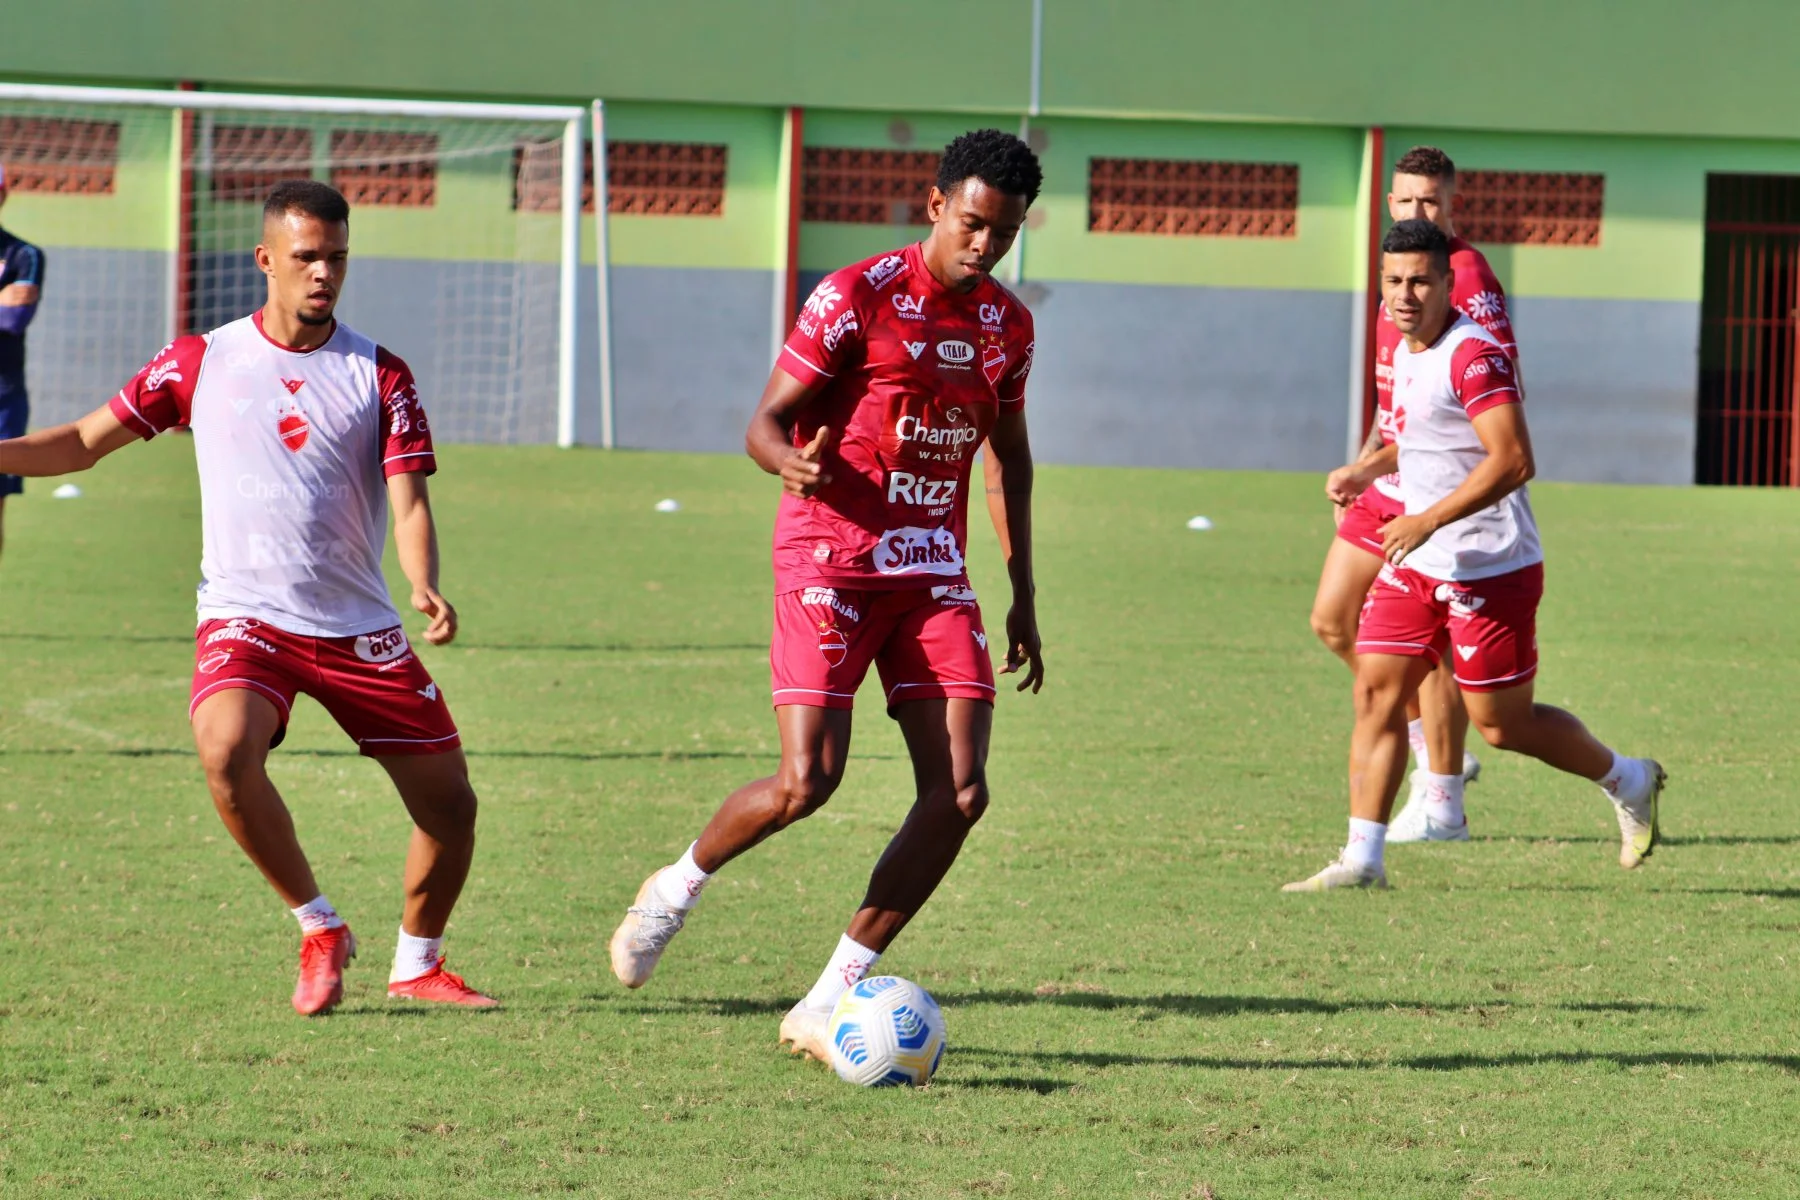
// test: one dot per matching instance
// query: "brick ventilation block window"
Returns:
(1192, 198)
(394, 170)
(58, 155)
(866, 187)
(1530, 208)
(249, 160)
(646, 179)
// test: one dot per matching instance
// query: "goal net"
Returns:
(148, 205)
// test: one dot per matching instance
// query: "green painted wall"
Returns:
(1670, 67)
(1652, 234)
(745, 237)
(139, 213)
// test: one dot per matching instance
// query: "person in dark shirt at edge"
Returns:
(21, 283)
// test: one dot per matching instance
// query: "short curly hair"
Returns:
(1428, 161)
(995, 157)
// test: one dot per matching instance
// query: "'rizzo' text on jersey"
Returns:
(913, 377)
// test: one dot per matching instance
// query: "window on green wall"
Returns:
(866, 187)
(59, 155)
(1193, 198)
(1529, 208)
(646, 179)
(249, 160)
(385, 169)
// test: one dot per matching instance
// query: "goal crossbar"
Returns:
(570, 116)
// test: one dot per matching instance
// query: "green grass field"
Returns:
(1133, 1010)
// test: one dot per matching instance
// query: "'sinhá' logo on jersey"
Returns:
(832, 644)
(911, 308)
(955, 353)
(1485, 306)
(911, 550)
(382, 647)
(823, 300)
(294, 429)
(993, 357)
(885, 270)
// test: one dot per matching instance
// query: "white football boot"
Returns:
(639, 941)
(1471, 767)
(1638, 828)
(804, 1031)
(1339, 874)
(1414, 823)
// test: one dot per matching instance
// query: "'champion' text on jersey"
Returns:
(914, 375)
(294, 448)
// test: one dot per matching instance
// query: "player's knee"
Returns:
(1376, 698)
(230, 763)
(972, 800)
(1501, 735)
(802, 791)
(1330, 627)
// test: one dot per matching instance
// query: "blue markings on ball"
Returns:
(894, 1079)
(852, 1044)
(911, 1030)
(868, 989)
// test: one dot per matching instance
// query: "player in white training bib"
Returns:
(1462, 574)
(304, 432)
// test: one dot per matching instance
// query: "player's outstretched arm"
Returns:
(65, 449)
(1351, 480)
(769, 439)
(1009, 472)
(415, 544)
(1509, 466)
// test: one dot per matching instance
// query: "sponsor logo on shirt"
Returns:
(835, 332)
(824, 597)
(911, 550)
(271, 551)
(884, 271)
(429, 691)
(910, 308)
(903, 487)
(1462, 603)
(956, 353)
(911, 430)
(954, 595)
(1025, 367)
(991, 316)
(255, 487)
(915, 348)
(1467, 652)
(293, 385)
(824, 299)
(1485, 306)
(381, 647)
(165, 371)
(404, 411)
(980, 638)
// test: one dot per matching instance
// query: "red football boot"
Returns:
(440, 987)
(323, 957)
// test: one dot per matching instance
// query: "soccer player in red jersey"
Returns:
(1424, 183)
(898, 369)
(304, 432)
(1462, 570)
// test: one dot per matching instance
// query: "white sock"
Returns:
(1367, 840)
(849, 963)
(317, 915)
(414, 956)
(1627, 780)
(678, 886)
(1415, 739)
(1444, 798)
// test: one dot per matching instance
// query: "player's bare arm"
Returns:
(1009, 472)
(1351, 480)
(18, 295)
(416, 545)
(65, 449)
(1508, 467)
(769, 439)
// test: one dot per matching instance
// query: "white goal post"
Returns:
(466, 221)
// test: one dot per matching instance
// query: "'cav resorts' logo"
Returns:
(910, 308)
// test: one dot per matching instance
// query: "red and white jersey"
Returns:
(914, 376)
(1477, 294)
(294, 448)
(1438, 393)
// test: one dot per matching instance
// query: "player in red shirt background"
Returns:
(305, 432)
(898, 369)
(1424, 185)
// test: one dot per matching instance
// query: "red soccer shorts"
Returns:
(373, 686)
(927, 643)
(1489, 624)
(1365, 518)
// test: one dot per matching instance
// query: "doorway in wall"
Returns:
(1749, 411)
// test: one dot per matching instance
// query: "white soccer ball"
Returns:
(886, 1032)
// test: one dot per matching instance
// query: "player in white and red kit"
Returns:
(899, 368)
(1462, 570)
(304, 432)
(1423, 187)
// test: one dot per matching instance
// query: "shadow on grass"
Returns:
(1729, 839)
(1427, 1062)
(1168, 1002)
(616, 647)
(568, 755)
(1013, 1083)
